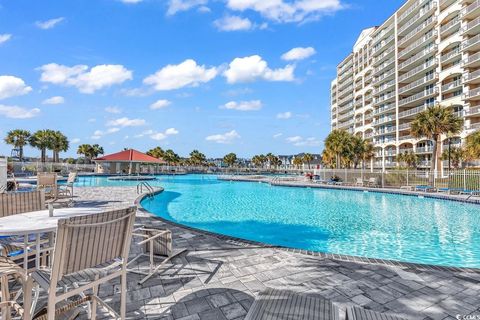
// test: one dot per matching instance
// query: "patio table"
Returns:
(36, 223)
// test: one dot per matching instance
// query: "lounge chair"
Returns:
(47, 182)
(67, 189)
(10, 273)
(156, 243)
(372, 182)
(425, 188)
(89, 251)
(358, 182)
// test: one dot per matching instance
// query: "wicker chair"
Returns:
(156, 243)
(89, 250)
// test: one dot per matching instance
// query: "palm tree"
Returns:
(96, 151)
(85, 150)
(431, 124)
(338, 143)
(230, 159)
(362, 151)
(472, 146)
(308, 157)
(456, 156)
(43, 140)
(197, 158)
(297, 162)
(18, 139)
(171, 157)
(328, 158)
(156, 152)
(59, 143)
(270, 158)
(257, 161)
(410, 159)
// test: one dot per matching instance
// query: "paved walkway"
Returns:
(219, 278)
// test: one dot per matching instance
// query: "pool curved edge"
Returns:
(332, 256)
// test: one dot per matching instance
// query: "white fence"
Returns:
(454, 179)
(31, 168)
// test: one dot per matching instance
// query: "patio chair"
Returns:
(372, 182)
(358, 182)
(48, 182)
(12, 274)
(16, 203)
(65, 192)
(425, 188)
(157, 243)
(89, 250)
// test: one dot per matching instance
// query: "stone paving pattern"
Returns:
(219, 279)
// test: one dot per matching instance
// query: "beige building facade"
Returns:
(426, 53)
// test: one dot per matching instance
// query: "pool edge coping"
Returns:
(332, 256)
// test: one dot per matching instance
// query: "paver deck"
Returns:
(219, 278)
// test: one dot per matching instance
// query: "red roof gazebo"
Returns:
(123, 162)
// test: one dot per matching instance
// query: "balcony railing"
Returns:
(418, 96)
(472, 58)
(384, 65)
(382, 33)
(450, 24)
(417, 56)
(385, 108)
(417, 83)
(382, 44)
(383, 120)
(424, 150)
(404, 126)
(472, 24)
(384, 75)
(451, 54)
(384, 54)
(384, 87)
(472, 93)
(473, 75)
(417, 44)
(452, 85)
(412, 9)
(415, 31)
(385, 97)
(408, 137)
(416, 70)
(410, 112)
(417, 17)
(470, 42)
(471, 7)
(473, 111)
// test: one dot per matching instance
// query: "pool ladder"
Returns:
(147, 186)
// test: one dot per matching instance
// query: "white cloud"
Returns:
(126, 122)
(278, 135)
(298, 53)
(75, 140)
(252, 105)
(224, 138)
(15, 112)
(113, 109)
(160, 135)
(284, 115)
(254, 67)
(187, 73)
(11, 86)
(5, 37)
(49, 24)
(233, 23)
(160, 104)
(54, 100)
(87, 81)
(99, 133)
(91, 120)
(283, 11)
(175, 6)
(299, 141)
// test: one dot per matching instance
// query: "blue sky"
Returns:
(213, 75)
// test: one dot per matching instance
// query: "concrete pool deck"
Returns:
(218, 277)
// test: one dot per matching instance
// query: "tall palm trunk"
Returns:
(337, 160)
(20, 153)
(42, 156)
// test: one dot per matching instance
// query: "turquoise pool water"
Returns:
(375, 225)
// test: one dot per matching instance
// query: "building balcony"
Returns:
(473, 126)
(417, 71)
(384, 55)
(384, 65)
(475, 111)
(472, 44)
(472, 61)
(418, 45)
(472, 10)
(347, 115)
(382, 45)
(384, 98)
(404, 126)
(419, 57)
(380, 132)
(451, 27)
(472, 77)
(410, 24)
(452, 86)
(382, 34)
(346, 99)
(384, 87)
(407, 137)
(412, 35)
(418, 96)
(411, 10)
(473, 94)
(383, 120)
(424, 150)
(345, 108)
(390, 153)
(385, 108)
(418, 83)
(411, 112)
(473, 27)
(384, 76)
(450, 56)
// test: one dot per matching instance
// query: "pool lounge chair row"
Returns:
(358, 182)
(273, 304)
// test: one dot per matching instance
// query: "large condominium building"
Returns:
(427, 52)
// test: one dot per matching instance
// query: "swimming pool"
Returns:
(375, 225)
